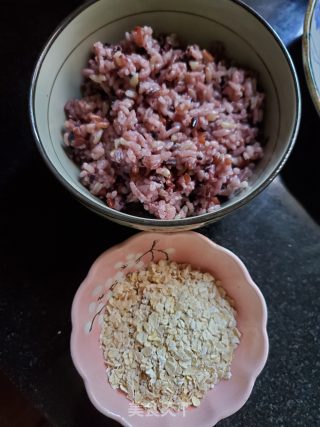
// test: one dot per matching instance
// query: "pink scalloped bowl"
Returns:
(188, 247)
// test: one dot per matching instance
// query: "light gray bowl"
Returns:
(248, 39)
(311, 51)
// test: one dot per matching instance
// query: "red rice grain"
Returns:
(172, 129)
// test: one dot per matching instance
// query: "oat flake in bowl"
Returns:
(168, 335)
(172, 129)
(135, 254)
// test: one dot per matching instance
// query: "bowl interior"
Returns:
(245, 38)
(228, 396)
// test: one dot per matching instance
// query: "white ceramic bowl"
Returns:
(311, 50)
(192, 248)
(248, 39)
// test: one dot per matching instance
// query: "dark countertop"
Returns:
(49, 243)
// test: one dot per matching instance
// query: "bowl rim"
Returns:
(75, 328)
(132, 220)
(306, 57)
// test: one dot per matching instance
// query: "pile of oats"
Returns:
(168, 336)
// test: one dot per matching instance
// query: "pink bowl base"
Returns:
(188, 247)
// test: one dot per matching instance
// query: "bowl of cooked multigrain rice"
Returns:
(169, 329)
(165, 116)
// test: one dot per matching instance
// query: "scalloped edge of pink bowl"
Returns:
(262, 328)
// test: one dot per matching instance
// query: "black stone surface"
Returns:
(48, 244)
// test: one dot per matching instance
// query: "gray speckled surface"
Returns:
(274, 237)
(285, 16)
(286, 266)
